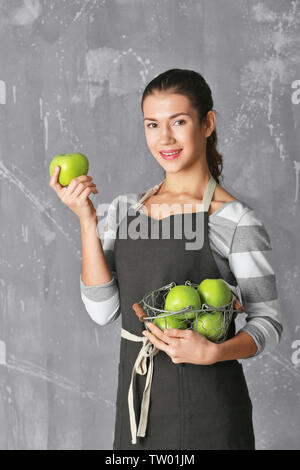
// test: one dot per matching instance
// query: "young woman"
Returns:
(176, 389)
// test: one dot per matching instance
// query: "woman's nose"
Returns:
(166, 136)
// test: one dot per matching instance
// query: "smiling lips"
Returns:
(171, 154)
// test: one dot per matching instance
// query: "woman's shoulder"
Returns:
(225, 205)
(237, 224)
(120, 206)
(132, 200)
(233, 216)
(235, 212)
(233, 209)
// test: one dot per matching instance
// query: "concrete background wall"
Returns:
(71, 78)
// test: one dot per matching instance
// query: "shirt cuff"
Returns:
(265, 332)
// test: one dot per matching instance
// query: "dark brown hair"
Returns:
(194, 86)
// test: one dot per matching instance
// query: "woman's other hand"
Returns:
(75, 195)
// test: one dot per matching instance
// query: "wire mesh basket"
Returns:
(210, 321)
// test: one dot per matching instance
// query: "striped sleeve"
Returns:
(250, 260)
(102, 302)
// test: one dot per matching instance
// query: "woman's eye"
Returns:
(153, 123)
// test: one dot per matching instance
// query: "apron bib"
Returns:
(162, 405)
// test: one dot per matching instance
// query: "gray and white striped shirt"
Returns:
(242, 250)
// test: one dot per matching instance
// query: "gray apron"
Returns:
(162, 405)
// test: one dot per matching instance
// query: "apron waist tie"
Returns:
(140, 367)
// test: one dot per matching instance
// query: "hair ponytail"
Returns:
(213, 157)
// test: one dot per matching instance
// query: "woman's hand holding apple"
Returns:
(75, 195)
(183, 345)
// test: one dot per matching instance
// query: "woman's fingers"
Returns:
(158, 333)
(88, 190)
(158, 339)
(76, 194)
(77, 184)
(79, 190)
(53, 183)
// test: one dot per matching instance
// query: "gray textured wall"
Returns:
(71, 77)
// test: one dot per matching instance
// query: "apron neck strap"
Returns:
(208, 194)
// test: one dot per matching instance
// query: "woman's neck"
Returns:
(185, 183)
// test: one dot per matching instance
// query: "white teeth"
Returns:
(173, 153)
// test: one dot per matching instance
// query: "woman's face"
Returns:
(166, 133)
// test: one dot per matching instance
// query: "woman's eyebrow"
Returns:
(170, 117)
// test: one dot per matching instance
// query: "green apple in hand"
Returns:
(214, 292)
(71, 166)
(180, 297)
(210, 325)
(169, 322)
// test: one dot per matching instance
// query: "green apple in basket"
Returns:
(210, 325)
(180, 297)
(215, 293)
(71, 166)
(169, 322)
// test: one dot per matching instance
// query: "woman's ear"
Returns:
(210, 123)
